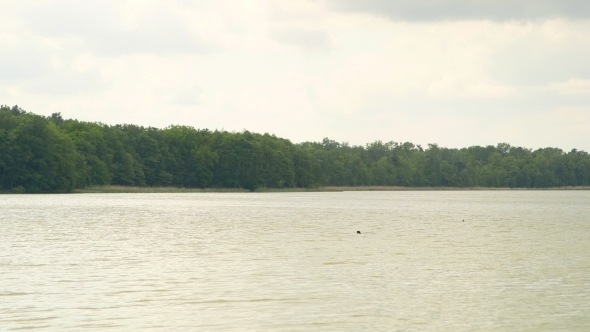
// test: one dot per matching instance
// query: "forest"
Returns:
(53, 155)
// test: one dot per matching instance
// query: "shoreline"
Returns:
(125, 189)
(398, 188)
(114, 189)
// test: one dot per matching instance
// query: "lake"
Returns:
(425, 261)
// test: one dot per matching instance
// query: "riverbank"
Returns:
(147, 190)
(398, 188)
(129, 189)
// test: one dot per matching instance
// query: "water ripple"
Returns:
(293, 261)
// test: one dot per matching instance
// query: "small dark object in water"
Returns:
(463, 220)
(358, 232)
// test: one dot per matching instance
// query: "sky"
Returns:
(457, 72)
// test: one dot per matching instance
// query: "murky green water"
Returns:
(293, 261)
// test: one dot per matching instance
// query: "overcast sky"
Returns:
(457, 72)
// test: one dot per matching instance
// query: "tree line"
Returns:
(50, 154)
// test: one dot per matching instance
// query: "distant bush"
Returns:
(18, 190)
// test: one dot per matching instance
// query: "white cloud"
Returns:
(433, 10)
(567, 125)
(296, 68)
(571, 87)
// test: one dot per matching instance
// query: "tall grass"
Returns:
(130, 189)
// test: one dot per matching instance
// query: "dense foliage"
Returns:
(39, 154)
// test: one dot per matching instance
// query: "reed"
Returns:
(131, 189)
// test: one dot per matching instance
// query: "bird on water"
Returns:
(358, 232)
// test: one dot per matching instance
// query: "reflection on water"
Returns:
(293, 261)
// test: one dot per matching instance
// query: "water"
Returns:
(293, 261)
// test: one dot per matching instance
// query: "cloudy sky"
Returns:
(456, 72)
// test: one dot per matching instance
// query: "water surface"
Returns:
(293, 261)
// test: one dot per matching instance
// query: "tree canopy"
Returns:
(50, 154)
